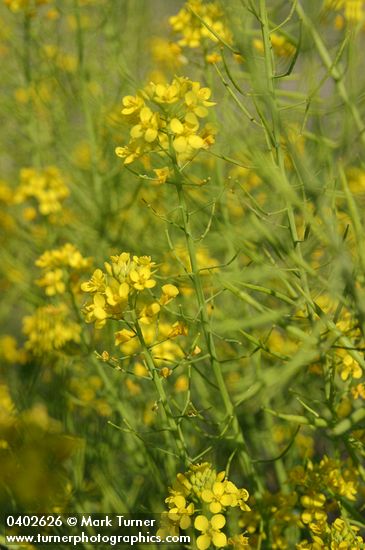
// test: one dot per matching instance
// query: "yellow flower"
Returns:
(124, 276)
(132, 106)
(186, 134)
(211, 532)
(67, 256)
(166, 93)
(148, 313)
(182, 383)
(281, 46)
(53, 282)
(46, 186)
(167, 53)
(49, 329)
(213, 58)
(193, 31)
(161, 175)
(239, 542)
(350, 367)
(19, 5)
(96, 311)
(196, 100)
(180, 511)
(358, 391)
(313, 505)
(353, 9)
(178, 329)
(96, 283)
(217, 497)
(151, 128)
(141, 278)
(9, 351)
(117, 293)
(131, 152)
(123, 336)
(148, 126)
(169, 292)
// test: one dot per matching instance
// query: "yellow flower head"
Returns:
(168, 114)
(198, 22)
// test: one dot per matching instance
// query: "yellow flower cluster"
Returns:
(280, 44)
(86, 393)
(33, 440)
(340, 535)
(203, 490)
(324, 485)
(349, 367)
(317, 492)
(125, 278)
(63, 60)
(281, 509)
(7, 222)
(46, 186)
(165, 118)
(50, 329)
(358, 391)
(24, 5)
(194, 32)
(167, 54)
(56, 265)
(328, 474)
(160, 338)
(356, 180)
(9, 351)
(353, 10)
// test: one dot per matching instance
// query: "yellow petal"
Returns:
(180, 501)
(218, 488)
(99, 313)
(190, 97)
(145, 114)
(207, 495)
(201, 112)
(124, 290)
(219, 539)
(185, 522)
(150, 135)
(170, 290)
(191, 120)
(180, 144)
(218, 521)
(176, 126)
(99, 300)
(215, 507)
(201, 523)
(133, 275)
(196, 142)
(136, 131)
(203, 542)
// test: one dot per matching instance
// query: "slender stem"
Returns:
(277, 155)
(333, 71)
(27, 48)
(245, 461)
(92, 135)
(168, 417)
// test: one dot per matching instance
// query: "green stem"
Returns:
(27, 48)
(90, 129)
(245, 461)
(168, 417)
(332, 69)
(277, 156)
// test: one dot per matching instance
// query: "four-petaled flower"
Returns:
(211, 531)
